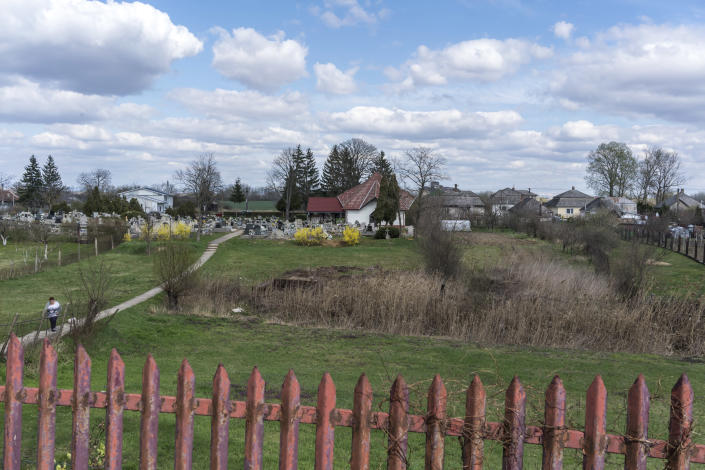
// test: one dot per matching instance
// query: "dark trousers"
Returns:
(52, 320)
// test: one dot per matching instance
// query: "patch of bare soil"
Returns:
(653, 262)
(495, 239)
(314, 277)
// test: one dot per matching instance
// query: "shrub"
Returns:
(127, 237)
(310, 236)
(173, 266)
(164, 232)
(181, 230)
(351, 236)
(382, 232)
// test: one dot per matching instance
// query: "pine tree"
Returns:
(388, 200)
(237, 195)
(308, 175)
(53, 186)
(31, 185)
(333, 173)
(381, 165)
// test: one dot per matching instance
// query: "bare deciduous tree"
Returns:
(174, 268)
(99, 177)
(668, 172)
(282, 177)
(202, 180)
(646, 176)
(422, 166)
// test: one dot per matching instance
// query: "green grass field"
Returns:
(23, 253)
(240, 345)
(257, 260)
(130, 266)
(683, 276)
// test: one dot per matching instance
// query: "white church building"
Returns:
(151, 200)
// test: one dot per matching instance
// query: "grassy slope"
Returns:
(257, 260)
(132, 271)
(683, 276)
(17, 252)
(239, 345)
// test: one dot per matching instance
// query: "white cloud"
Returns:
(656, 70)
(112, 48)
(330, 79)
(247, 104)
(400, 123)
(259, 62)
(563, 29)
(339, 13)
(478, 59)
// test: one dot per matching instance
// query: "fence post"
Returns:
(114, 411)
(554, 425)
(59, 258)
(325, 428)
(95, 243)
(47, 407)
(220, 424)
(81, 409)
(254, 422)
(185, 406)
(13, 405)
(680, 425)
(687, 247)
(9, 334)
(637, 446)
(398, 425)
(474, 425)
(362, 412)
(289, 423)
(435, 424)
(151, 405)
(595, 444)
(514, 426)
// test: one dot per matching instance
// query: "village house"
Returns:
(357, 204)
(457, 203)
(569, 204)
(622, 207)
(151, 200)
(530, 207)
(506, 198)
(680, 202)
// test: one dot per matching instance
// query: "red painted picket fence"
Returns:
(474, 429)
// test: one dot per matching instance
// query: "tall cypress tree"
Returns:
(31, 185)
(388, 200)
(53, 186)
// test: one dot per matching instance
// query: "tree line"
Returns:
(613, 170)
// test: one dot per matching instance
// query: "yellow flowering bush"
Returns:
(164, 232)
(181, 230)
(127, 237)
(310, 236)
(351, 236)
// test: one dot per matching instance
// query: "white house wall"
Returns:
(363, 215)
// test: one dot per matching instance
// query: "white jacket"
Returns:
(52, 310)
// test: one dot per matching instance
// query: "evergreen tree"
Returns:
(388, 200)
(94, 202)
(237, 195)
(31, 185)
(53, 186)
(308, 175)
(381, 165)
(134, 206)
(333, 173)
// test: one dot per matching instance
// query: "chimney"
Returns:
(456, 186)
(513, 188)
(573, 188)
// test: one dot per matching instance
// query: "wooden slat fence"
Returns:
(473, 429)
(691, 247)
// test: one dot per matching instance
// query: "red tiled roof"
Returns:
(359, 196)
(324, 204)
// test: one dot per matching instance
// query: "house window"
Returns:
(569, 211)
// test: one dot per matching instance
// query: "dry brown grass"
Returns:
(531, 301)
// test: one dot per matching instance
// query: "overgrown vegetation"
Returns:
(173, 266)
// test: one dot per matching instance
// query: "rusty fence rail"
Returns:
(473, 429)
(690, 247)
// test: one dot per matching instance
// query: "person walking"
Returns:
(52, 309)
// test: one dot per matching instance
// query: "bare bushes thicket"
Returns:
(91, 297)
(173, 265)
(442, 254)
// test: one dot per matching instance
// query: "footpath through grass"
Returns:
(242, 344)
(130, 266)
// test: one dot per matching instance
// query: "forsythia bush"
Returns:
(127, 237)
(310, 236)
(181, 230)
(351, 236)
(164, 232)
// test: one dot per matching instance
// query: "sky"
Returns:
(510, 92)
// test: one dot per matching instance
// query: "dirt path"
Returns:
(64, 329)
